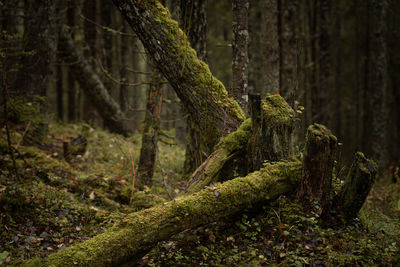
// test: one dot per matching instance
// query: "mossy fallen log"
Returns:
(136, 234)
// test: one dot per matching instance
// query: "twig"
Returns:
(107, 28)
(23, 134)
(115, 80)
(163, 175)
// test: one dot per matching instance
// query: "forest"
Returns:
(199, 133)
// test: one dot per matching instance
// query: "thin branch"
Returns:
(108, 75)
(108, 29)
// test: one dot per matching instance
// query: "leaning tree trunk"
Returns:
(204, 96)
(91, 84)
(135, 235)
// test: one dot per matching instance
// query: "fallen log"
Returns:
(136, 234)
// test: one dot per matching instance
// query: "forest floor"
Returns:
(55, 204)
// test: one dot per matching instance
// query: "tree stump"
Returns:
(358, 183)
(272, 130)
(316, 185)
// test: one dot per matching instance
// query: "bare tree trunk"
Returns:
(379, 83)
(200, 92)
(270, 46)
(240, 57)
(151, 129)
(287, 26)
(40, 44)
(325, 79)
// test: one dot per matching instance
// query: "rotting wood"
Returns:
(316, 185)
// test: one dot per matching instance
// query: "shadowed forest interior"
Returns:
(195, 132)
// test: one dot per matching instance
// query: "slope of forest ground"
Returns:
(55, 204)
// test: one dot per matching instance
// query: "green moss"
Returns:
(188, 58)
(276, 110)
(237, 140)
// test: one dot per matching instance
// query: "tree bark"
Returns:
(240, 57)
(378, 83)
(270, 46)
(39, 52)
(136, 234)
(287, 28)
(357, 185)
(93, 87)
(316, 186)
(205, 97)
(151, 129)
(325, 79)
(193, 20)
(40, 38)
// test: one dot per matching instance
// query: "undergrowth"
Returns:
(56, 203)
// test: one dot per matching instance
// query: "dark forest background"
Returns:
(337, 59)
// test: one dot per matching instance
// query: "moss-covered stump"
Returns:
(267, 136)
(138, 232)
(357, 185)
(272, 131)
(320, 149)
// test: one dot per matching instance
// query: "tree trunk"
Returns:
(357, 185)
(151, 129)
(287, 27)
(240, 57)
(135, 235)
(316, 186)
(378, 83)
(204, 97)
(193, 21)
(93, 87)
(39, 51)
(270, 46)
(325, 79)
(40, 38)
